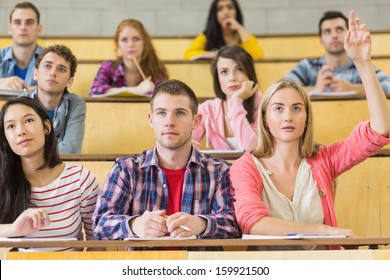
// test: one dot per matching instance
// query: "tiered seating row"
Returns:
(275, 46)
(123, 127)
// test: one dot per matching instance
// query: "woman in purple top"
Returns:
(132, 41)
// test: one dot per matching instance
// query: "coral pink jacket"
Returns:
(326, 164)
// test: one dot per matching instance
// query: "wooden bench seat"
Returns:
(123, 127)
(173, 48)
(113, 127)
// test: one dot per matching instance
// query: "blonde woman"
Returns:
(285, 186)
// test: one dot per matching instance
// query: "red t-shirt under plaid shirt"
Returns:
(175, 179)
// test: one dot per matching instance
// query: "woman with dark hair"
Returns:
(132, 42)
(40, 196)
(230, 120)
(224, 27)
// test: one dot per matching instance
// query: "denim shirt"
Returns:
(8, 62)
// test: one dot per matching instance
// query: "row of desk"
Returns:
(233, 249)
(279, 46)
(197, 73)
(121, 126)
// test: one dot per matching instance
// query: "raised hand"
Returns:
(357, 41)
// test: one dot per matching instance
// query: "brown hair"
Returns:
(176, 87)
(243, 59)
(25, 5)
(62, 51)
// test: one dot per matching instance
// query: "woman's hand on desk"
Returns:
(31, 220)
(339, 231)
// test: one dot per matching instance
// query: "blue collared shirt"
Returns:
(8, 62)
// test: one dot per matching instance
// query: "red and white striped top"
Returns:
(70, 202)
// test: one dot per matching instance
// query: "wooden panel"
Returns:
(291, 47)
(270, 72)
(99, 168)
(168, 50)
(124, 127)
(94, 255)
(207, 255)
(173, 48)
(196, 75)
(116, 128)
(85, 74)
(87, 49)
(3, 252)
(383, 64)
(293, 255)
(334, 120)
(384, 189)
(357, 199)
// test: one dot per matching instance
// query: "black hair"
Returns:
(15, 189)
(331, 15)
(213, 30)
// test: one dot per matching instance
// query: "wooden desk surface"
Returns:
(371, 241)
(112, 157)
(228, 155)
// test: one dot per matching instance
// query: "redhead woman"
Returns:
(134, 46)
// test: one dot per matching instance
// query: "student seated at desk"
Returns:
(41, 196)
(224, 28)
(283, 186)
(135, 49)
(230, 120)
(17, 61)
(172, 189)
(334, 71)
(54, 72)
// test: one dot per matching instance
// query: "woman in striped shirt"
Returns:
(40, 196)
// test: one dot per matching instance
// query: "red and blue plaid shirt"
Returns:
(137, 184)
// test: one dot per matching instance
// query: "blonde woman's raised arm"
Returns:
(357, 44)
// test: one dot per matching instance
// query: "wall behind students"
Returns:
(188, 17)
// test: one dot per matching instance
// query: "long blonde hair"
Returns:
(265, 146)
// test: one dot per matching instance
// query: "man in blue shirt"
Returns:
(334, 71)
(17, 61)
